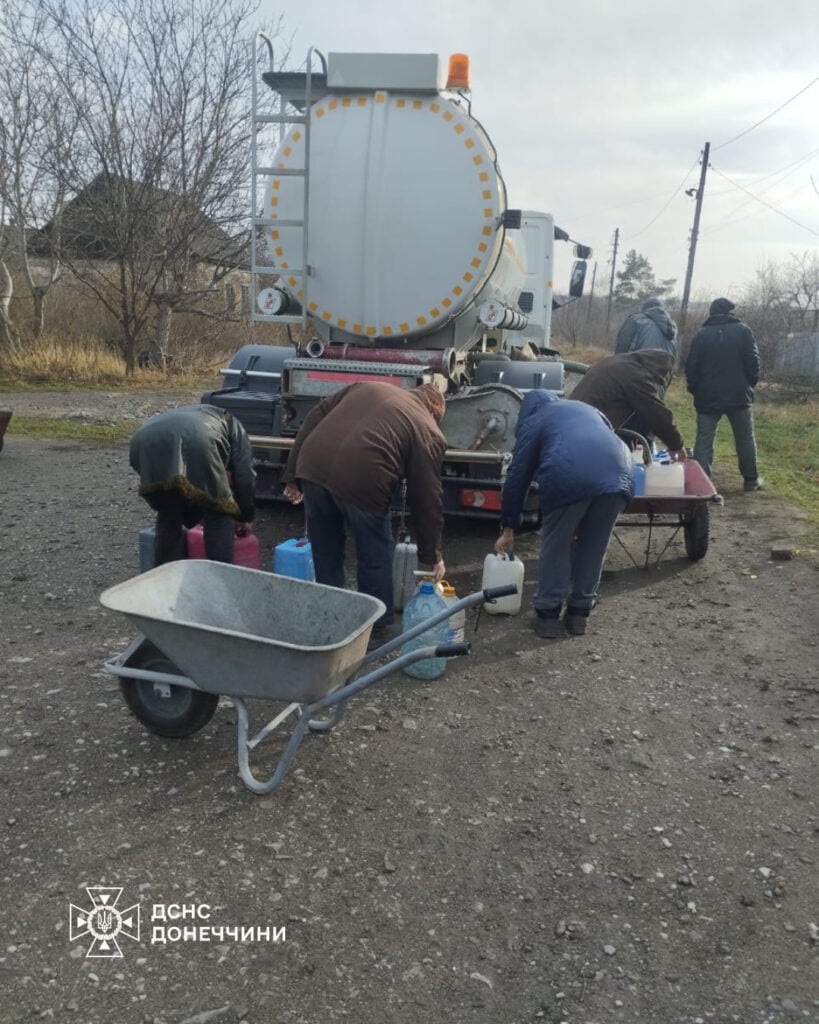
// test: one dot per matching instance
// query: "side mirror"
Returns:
(582, 252)
(578, 278)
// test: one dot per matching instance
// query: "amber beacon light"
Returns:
(458, 77)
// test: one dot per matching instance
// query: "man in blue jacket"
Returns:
(722, 371)
(584, 478)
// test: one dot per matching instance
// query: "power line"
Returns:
(769, 116)
(756, 211)
(773, 208)
(790, 168)
(662, 211)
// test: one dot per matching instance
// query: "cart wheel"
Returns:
(165, 709)
(696, 533)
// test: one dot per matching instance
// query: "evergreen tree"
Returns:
(636, 282)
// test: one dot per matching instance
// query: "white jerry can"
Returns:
(498, 571)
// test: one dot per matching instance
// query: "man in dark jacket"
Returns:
(583, 472)
(652, 327)
(194, 465)
(722, 371)
(350, 456)
(628, 389)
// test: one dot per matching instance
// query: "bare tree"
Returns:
(161, 91)
(37, 134)
(783, 299)
(9, 335)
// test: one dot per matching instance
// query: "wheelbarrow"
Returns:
(689, 512)
(5, 416)
(209, 629)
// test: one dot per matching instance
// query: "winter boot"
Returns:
(548, 624)
(575, 620)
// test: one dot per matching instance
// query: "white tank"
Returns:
(406, 204)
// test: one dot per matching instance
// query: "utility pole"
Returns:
(591, 292)
(611, 281)
(692, 249)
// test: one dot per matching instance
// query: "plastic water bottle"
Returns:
(638, 471)
(456, 633)
(422, 606)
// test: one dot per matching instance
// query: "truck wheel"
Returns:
(165, 709)
(696, 533)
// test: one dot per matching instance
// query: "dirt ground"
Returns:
(620, 827)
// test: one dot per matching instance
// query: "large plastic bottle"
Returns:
(422, 606)
(456, 633)
(638, 471)
(499, 571)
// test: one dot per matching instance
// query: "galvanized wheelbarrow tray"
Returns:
(689, 512)
(211, 629)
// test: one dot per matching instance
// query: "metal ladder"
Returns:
(259, 120)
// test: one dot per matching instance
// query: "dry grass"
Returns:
(56, 359)
(65, 360)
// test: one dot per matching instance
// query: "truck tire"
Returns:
(176, 712)
(695, 531)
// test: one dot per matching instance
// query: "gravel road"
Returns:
(620, 827)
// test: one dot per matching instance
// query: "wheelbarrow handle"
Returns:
(452, 650)
(492, 593)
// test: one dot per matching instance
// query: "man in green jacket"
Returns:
(349, 458)
(195, 465)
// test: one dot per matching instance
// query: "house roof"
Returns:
(95, 220)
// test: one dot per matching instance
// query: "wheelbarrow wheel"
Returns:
(695, 532)
(165, 709)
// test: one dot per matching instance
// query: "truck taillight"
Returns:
(489, 500)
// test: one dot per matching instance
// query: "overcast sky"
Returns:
(599, 110)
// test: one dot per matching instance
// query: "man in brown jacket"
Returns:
(628, 389)
(350, 456)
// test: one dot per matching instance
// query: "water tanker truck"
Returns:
(381, 226)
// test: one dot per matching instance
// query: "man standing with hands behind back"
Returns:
(722, 369)
(349, 458)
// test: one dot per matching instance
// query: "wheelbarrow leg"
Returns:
(323, 724)
(293, 745)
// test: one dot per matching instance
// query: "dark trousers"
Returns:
(173, 512)
(328, 521)
(742, 425)
(572, 570)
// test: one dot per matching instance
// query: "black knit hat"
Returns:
(721, 306)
